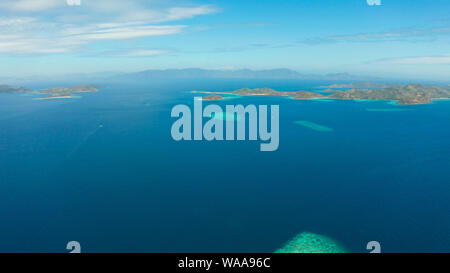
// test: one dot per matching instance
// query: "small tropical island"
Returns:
(52, 93)
(5, 89)
(213, 97)
(409, 94)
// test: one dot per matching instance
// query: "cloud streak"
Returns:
(32, 5)
(131, 32)
(50, 26)
(418, 60)
(407, 35)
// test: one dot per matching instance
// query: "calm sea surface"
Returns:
(103, 170)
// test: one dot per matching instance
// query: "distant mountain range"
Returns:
(198, 73)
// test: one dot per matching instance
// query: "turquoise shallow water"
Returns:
(58, 98)
(311, 243)
(229, 117)
(104, 170)
(386, 109)
(313, 126)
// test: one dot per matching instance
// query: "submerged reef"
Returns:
(311, 243)
(313, 126)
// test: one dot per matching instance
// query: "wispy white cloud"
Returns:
(179, 13)
(406, 35)
(50, 26)
(165, 15)
(70, 38)
(119, 33)
(131, 52)
(420, 60)
(5, 22)
(145, 52)
(31, 5)
(394, 34)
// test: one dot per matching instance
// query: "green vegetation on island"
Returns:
(62, 92)
(361, 85)
(54, 92)
(271, 92)
(402, 94)
(11, 89)
(213, 97)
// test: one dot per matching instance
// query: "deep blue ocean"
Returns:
(104, 170)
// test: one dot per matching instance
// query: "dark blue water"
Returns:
(103, 170)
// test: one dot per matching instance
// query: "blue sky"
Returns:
(408, 39)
